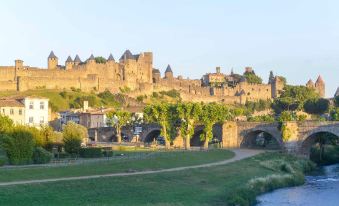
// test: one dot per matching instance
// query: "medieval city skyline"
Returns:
(228, 40)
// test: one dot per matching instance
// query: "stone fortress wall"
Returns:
(135, 72)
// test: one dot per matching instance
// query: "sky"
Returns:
(298, 39)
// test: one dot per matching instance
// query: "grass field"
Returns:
(133, 161)
(204, 186)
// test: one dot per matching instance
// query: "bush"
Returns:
(73, 135)
(3, 160)
(107, 153)
(18, 146)
(41, 156)
(90, 152)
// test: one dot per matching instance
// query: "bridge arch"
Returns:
(151, 135)
(195, 139)
(261, 138)
(310, 138)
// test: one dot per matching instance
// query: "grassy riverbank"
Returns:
(130, 162)
(203, 186)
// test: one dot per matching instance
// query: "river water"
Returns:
(321, 188)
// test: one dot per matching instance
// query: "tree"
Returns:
(159, 113)
(252, 78)
(18, 145)
(6, 124)
(100, 60)
(188, 113)
(73, 135)
(322, 139)
(210, 115)
(316, 106)
(118, 119)
(336, 100)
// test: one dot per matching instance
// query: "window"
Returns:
(11, 111)
(20, 111)
(31, 105)
(42, 105)
(42, 120)
(30, 120)
(3, 111)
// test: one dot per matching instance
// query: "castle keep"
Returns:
(136, 72)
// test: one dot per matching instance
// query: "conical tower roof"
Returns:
(77, 59)
(127, 55)
(110, 58)
(52, 55)
(91, 57)
(168, 69)
(319, 80)
(69, 59)
(310, 82)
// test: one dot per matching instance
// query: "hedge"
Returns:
(41, 156)
(90, 152)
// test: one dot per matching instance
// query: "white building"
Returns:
(36, 110)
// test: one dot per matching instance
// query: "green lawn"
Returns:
(204, 186)
(137, 161)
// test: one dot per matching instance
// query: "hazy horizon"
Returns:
(295, 39)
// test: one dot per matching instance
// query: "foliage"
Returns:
(100, 60)
(3, 156)
(18, 145)
(293, 98)
(330, 155)
(118, 119)
(260, 105)
(289, 172)
(159, 113)
(171, 93)
(286, 132)
(189, 114)
(211, 114)
(252, 78)
(41, 156)
(6, 124)
(73, 135)
(316, 106)
(108, 98)
(91, 152)
(125, 89)
(335, 114)
(79, 101)
(336, 101)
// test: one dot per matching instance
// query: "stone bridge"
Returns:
(303, 134)
(235, 134)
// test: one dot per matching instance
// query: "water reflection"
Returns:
(322, 188)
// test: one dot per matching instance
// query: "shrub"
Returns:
(3, 160)
(18, 146)
(90, 152)
(73, 135)
(41, 156)
(107, 153)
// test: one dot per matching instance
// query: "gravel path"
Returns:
(239, 154)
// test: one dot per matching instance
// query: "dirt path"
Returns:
(239, 154)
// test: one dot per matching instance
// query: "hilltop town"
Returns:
(136, 73)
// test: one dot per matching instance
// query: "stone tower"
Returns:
(110, 58)
(310, 84)
(69, 63)
(77, 60)
(277, 86)
(169, 72)
(271, 78)
(320, 86)
(91, 59)
(52, 61)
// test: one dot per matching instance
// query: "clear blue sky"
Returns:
(298, 39)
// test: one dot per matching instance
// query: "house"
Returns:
(14, 109)
(29, 110)
(93, 119)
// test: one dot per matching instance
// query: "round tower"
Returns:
(168, 72)
(52, 61)
(69, 63)
(320, 86)
(77, 60)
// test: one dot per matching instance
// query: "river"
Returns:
(321, 188)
